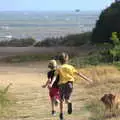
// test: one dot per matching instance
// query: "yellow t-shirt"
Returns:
(66, 73)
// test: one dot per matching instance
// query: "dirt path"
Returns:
(32, 101)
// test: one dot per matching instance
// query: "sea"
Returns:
(45, 24)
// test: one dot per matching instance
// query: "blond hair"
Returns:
(52, 64)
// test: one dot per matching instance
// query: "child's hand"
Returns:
(50, 85)
(90, 81)
(43, 86)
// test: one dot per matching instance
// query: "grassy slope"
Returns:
(32, 101)
(106, 80)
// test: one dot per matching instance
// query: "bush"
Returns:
(77, 39)
(49, 42)
(70, 40)
(23, 42)
(117, 64)
(112, 54)
(4, 43)
(85, 61)
(4, 100)
(26, 58)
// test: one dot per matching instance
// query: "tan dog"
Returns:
(111, 102)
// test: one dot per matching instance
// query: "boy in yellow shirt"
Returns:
(66, 73)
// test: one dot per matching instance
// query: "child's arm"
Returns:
(84, 77)
(53, 80)
(46, 84)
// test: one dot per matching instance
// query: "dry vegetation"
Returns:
(12, 51)
(32, 101)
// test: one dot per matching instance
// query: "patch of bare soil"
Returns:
(32, 101)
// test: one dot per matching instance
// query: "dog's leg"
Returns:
(107, 111)
(114, 110)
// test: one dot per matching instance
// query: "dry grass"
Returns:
(106, 80)
(32, 101)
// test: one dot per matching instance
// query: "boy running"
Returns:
(66, 73)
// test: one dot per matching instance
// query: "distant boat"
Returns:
(77, 10)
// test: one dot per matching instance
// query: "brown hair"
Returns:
(63, 58)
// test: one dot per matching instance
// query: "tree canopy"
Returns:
(108, 22)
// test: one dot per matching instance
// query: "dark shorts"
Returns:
(66, 90)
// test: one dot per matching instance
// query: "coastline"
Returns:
(41, 25)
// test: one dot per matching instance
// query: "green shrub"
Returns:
(26, 58)
(85, 61)
(4, 100)
(23, 42)
(69, 40)
(106, 57)
(77, 39)
(49, 42)
(4, 43)
(117, 64)
(112, 53)
(115, 50)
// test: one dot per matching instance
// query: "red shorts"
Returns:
(54, 93)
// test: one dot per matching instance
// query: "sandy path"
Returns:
(32, 101)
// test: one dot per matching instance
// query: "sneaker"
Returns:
(53, 113)
(61, 116)
(69, 108)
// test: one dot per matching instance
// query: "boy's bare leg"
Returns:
(61, 106)
(61, 110)
(52, 105)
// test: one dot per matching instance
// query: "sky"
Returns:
(53, 5)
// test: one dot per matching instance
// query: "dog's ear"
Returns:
(104, 97)
(111, 96)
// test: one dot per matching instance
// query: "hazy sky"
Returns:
(53, 5)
